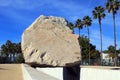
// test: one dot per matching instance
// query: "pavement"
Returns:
(11, 72)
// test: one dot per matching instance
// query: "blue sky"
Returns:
(17, 15)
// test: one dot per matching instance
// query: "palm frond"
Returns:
(112, 6)
(87, 21)
(98, 12)
(79, 23)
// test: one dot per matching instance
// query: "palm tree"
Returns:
(87, 22)
(113, 6)
(79, 25)
(98, 13)
(9, 46)
(71, 26)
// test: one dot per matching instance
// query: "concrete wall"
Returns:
(100, 73)
(87, 73)
(55, 72)
(30, 73)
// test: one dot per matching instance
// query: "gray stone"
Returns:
(49, 41)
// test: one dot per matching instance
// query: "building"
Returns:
(107, 59)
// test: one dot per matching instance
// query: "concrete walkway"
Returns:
(11, 72)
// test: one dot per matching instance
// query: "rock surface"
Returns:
(48, 41)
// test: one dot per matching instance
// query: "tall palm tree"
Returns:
(113, 6)
(79, 25)
(87, 22)
(98, 13)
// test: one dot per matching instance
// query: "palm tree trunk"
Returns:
(79, 36)
(80, 43)
(72, 30)
(79, 32)
(89, 43)
(100, 39)
(115, 58)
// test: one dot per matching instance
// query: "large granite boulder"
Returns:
(49, 42)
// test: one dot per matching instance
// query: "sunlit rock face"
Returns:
(48, 41)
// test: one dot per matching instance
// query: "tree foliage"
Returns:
(79, 25)
(112, 6)
(10, 48)
(85, 49)
(19, 59)
(111, 50)
(71, 26)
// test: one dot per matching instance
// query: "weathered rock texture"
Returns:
(48, 41)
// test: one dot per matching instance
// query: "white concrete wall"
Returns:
(86, 73)
(26, 75)
(90, 73)
(30, 73)
(55, 72)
